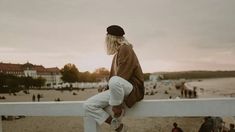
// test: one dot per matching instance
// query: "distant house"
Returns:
(52, 75)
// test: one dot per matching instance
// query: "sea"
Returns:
(216, 87)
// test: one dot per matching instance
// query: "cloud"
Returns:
(165, 33)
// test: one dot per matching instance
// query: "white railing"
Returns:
(147, 108)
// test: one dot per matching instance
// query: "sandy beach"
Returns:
(75, 124)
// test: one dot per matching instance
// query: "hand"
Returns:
(117, 110)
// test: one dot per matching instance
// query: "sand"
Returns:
(75, 124)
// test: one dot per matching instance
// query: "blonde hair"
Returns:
(114, 42)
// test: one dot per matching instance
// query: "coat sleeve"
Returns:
(125, 62)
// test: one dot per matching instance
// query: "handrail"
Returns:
(145, 108)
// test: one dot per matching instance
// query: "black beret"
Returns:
(115, 30)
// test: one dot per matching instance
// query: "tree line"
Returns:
(198, 74)
(11, 83)
(70, 74)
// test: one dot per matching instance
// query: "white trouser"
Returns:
(118, 89)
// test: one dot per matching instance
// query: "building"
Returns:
(52, 75)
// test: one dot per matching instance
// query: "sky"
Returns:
(167, 35)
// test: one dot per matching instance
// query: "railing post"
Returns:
(0, 123)
(90, 125)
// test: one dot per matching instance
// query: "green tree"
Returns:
(39, 82)
(27, 82)
(9, 83)
(85, 76)
(70, 73)
(102, 71)
(146, 76)
(2, 80)
(100, 74)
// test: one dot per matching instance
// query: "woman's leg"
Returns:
(119, 88)
(94, 107)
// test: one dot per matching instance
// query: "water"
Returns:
(217, 87)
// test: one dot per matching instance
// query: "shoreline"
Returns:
(214, 87)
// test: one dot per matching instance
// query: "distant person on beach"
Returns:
(182, 93)
(182, 90)
(207, 126)
(185, 93)
(176, 128)
(125, 85)
(190, 92)
(38, 96)
(231, 128)
(195, 92)
(57, 99)
(155, 86)
(33, 98)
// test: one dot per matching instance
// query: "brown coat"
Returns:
(126, 65)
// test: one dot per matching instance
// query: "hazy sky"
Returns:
(168, 35)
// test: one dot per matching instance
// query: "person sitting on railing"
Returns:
(126, 82)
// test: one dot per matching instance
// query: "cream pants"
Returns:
(96, 105)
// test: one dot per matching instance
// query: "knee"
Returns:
(113, 82)
(86, 106)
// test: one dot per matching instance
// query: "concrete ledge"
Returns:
(145, 108)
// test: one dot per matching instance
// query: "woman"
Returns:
(125, 85)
